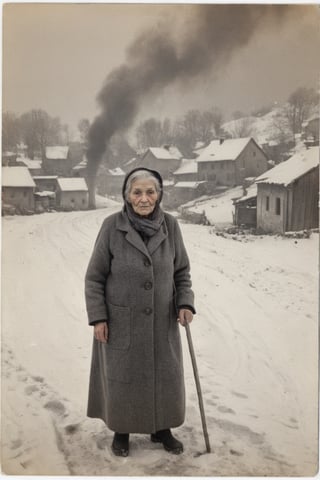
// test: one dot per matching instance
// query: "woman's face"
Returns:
(143, 196)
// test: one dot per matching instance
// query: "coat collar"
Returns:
(135, 239)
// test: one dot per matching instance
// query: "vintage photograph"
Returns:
(160, 239)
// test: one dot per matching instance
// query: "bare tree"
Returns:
(243, 127)
(299, 105)
(84, 127)
(39, 130)
(10, 131)
(153, 133)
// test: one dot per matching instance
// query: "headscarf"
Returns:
(151, 224)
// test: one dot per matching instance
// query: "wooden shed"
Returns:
(245, 212)
(288, 194)
(72, 194)
(18, 188)
(183, 192)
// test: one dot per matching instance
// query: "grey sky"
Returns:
(56, 57)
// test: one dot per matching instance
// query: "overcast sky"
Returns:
(57, 56)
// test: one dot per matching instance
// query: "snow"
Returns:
(45, 193)
(188, 184)
(57, 153)
(187, 166)
(16, 177)
(116, 171)
(72, 184)
(165, 154)
(255, 337)
(293, 168)
(32, 164)
(219, 208)
(252, 192)
(230, 149)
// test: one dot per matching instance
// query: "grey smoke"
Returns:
(210, 35)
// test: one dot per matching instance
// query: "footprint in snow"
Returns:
(238, 394)
(223, 409)
(31, 389)
(72, 428)
(56, 407)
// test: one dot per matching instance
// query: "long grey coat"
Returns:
(136, 381)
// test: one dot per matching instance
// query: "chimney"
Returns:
(221, 140)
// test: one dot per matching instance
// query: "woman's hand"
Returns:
(185, 316)
(101, 332)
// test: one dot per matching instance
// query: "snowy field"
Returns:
(255, 336)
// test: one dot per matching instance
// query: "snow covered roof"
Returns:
(287, 172)
(17, 177)
(170, 153)
(73, 184)
(168, 183)
(116, 172)
(81, 165)
(32, 164)
(45, 194)
(230, 149)
(187, 166)
(251, 193)
(188, 184)
(45, 177)
(57, 153)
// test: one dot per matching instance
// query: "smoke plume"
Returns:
(207, 38)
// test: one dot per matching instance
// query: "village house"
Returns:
(110, 181)
(183, 192)
(55, 161)
(288, 194)
(9, 159)
(46, 183)
(60, 160)
(34, 166)
(18, 188)
(187, 171)
(229, 161)
(80, 169)
(165, 160)
(72, 194)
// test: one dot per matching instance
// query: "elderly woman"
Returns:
(138, 289)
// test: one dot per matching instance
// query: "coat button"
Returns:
(148, 286)
(148, 311)
(147, 263)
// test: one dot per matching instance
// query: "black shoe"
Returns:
(120, 444)
(168, 441)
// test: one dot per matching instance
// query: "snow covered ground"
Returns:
(255, 336)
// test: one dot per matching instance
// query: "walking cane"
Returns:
(196, 377)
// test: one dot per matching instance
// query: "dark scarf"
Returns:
(146, 226)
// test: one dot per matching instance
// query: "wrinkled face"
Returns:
(143, 196)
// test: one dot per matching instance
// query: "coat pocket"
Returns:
(119, 327)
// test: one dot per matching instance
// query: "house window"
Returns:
(278, 206)
(254, 153)
(24, 194)
(83, 201)
(222, 165)
(267, 203)
(212, 166)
